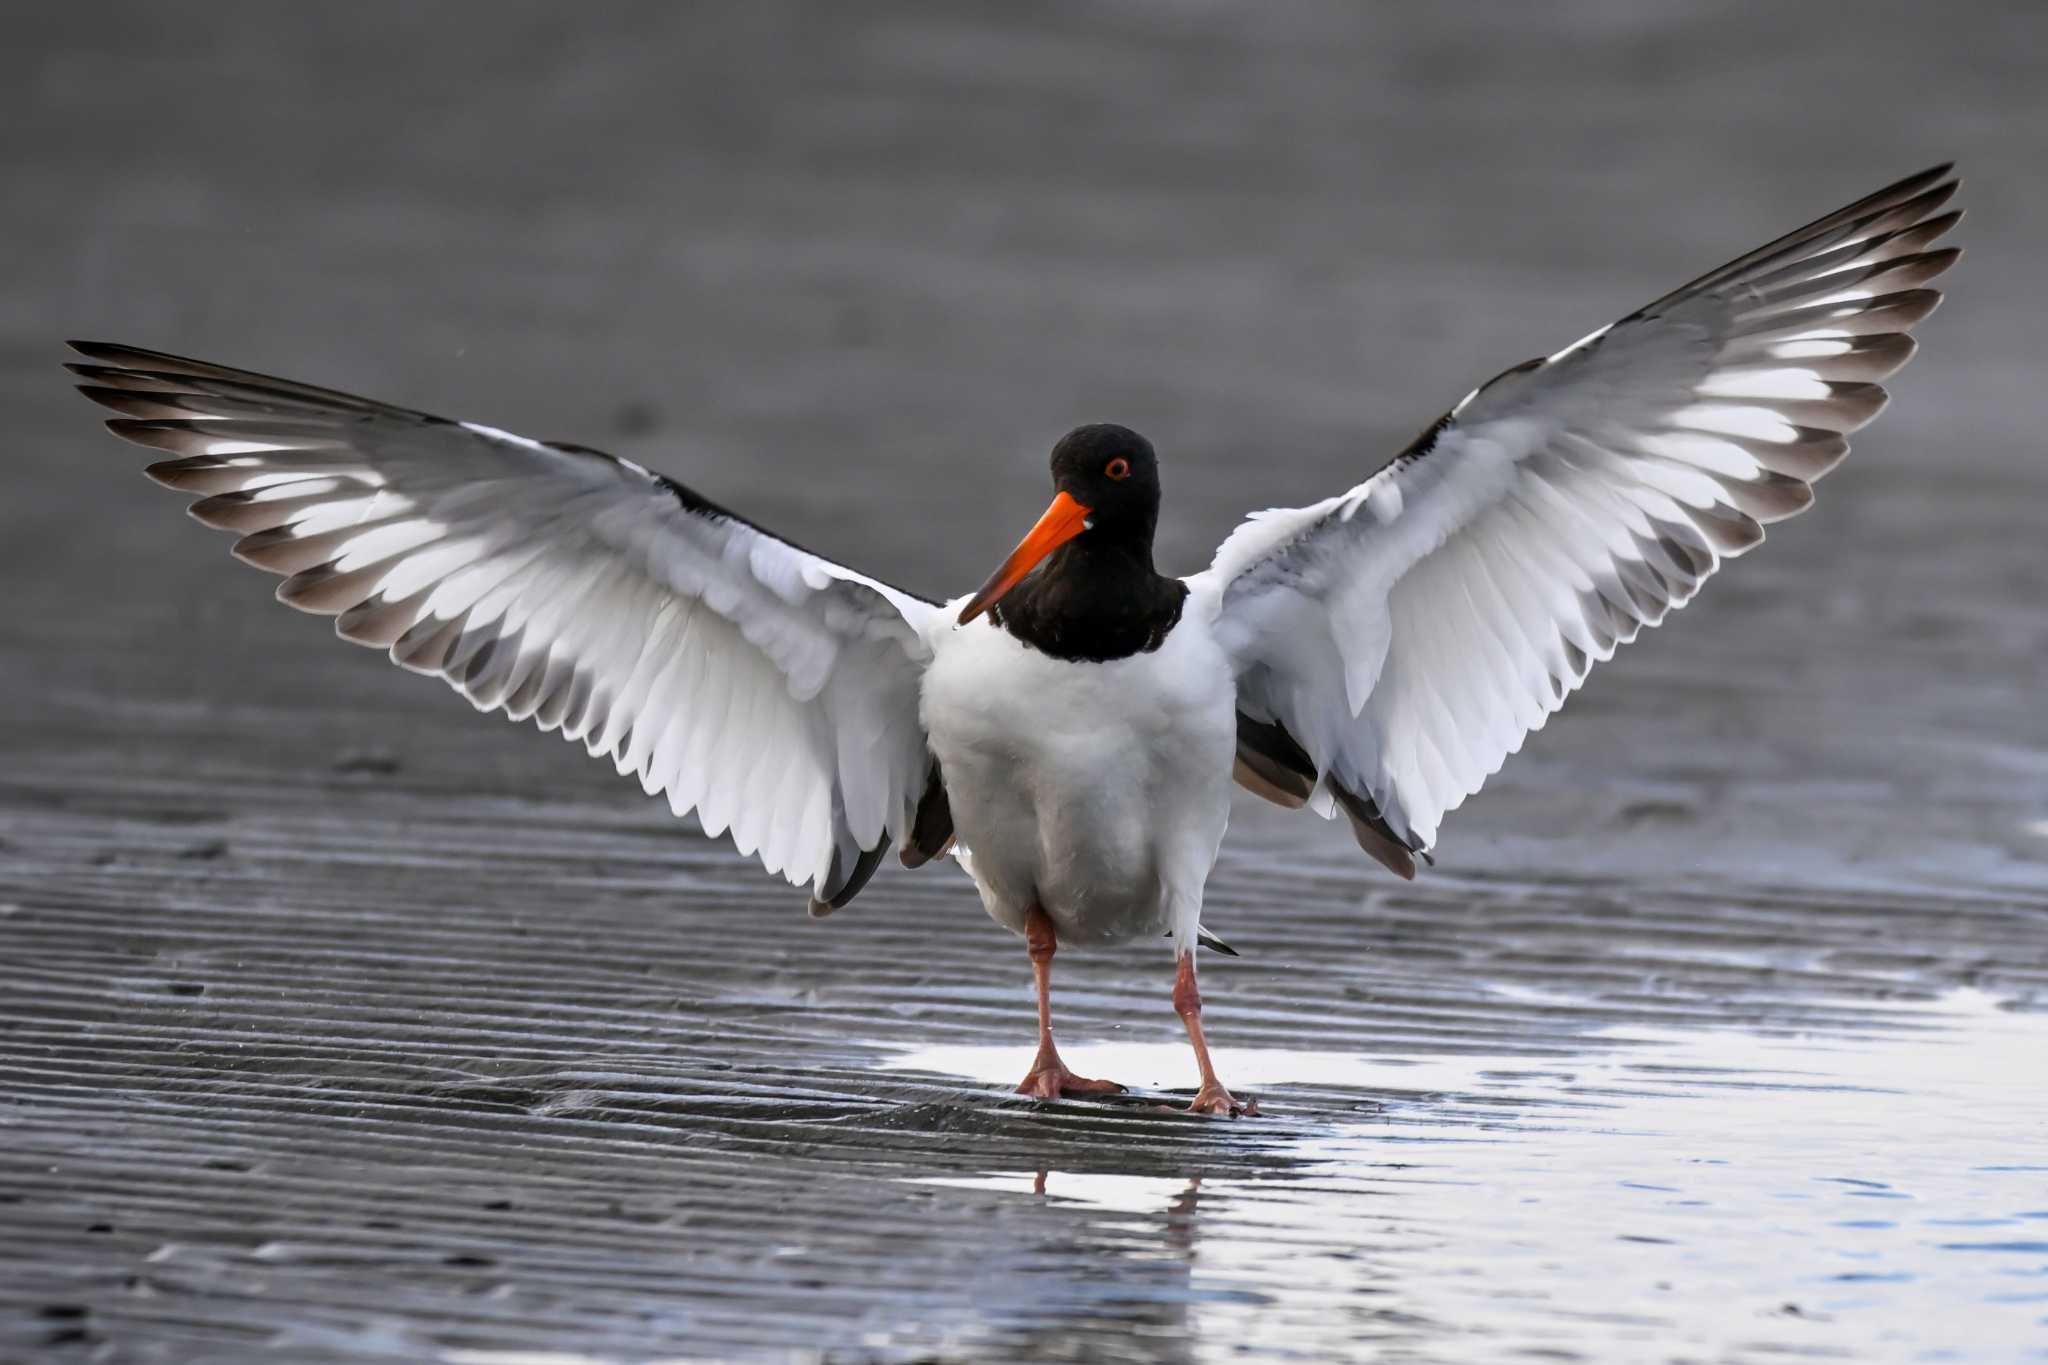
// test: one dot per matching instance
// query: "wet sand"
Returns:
(339, 1022)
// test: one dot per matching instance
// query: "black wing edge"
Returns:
(931, 834)
(1913, 197)
(841, 886)
(931, 830)
(1270, 763)
(125, 365)
(141, 383)
(1370, 828)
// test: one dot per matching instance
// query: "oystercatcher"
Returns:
(1071, 731)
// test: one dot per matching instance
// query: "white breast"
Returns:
(1099, 791)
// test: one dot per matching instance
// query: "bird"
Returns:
(1070, 732)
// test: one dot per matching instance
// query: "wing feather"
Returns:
(1410, 633)
(768, 690)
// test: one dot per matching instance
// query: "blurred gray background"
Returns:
(852, 269)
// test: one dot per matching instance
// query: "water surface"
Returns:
(1881, 1193)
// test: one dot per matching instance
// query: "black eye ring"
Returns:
(1119, 468)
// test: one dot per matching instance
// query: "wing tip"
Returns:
(1940, 176)
(107, 352)
(1374, 834)
(840, 886)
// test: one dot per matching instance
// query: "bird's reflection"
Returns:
(1116, 1262)
(1088, 1257)
(1180, 1219)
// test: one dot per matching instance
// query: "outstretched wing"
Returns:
(1395, 644)
(771, 691)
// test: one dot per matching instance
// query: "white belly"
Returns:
(1098, 791)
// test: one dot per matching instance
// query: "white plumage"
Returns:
(1099, 792)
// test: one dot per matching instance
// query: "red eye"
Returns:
(1119, 468)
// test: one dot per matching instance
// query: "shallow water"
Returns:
(1878, 1194)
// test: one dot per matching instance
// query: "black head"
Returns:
(1105, 507)
(1113, 472)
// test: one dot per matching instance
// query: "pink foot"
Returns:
(1050, 1080)
(1214, 1099)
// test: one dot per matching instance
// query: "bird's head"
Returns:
(1106, 487)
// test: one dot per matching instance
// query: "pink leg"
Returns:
(1212, 1098)
(1049, 1078)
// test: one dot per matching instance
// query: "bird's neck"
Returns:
(1094, 602)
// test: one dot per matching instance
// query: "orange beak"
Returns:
(1062, 521)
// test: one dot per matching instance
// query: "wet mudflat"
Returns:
(337, 1022)
(350, 1070)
